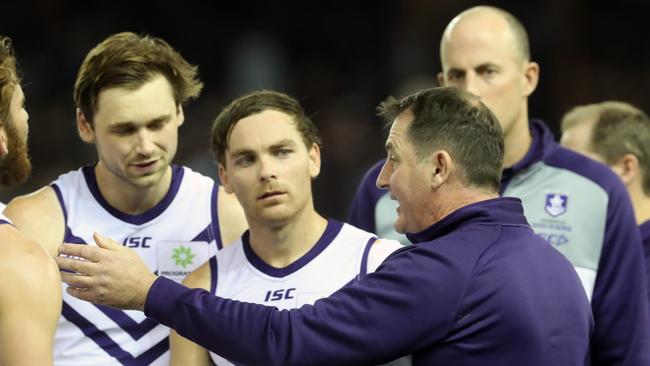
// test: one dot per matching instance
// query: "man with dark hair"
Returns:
(268, 152)
(616, 134)
(130, 95)
(477, 288)
(577, 205)
(30, 300)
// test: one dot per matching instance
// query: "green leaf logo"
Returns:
(183, 256)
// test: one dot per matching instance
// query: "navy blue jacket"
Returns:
(581, 208)
(478, 288)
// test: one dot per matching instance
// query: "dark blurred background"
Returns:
(340, 60)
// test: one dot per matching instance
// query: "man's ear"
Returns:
(223, 179)
(531, 75)
(441, 166)
(84, 128)
(627, 168)
(441, 78)
(314, 161)
(181, 115)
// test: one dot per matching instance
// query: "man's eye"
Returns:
(244, 160)
(284, 153)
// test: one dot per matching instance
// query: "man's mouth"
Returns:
(145, 164)
(266, 195)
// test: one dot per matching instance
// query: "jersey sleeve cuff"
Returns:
(162, 300)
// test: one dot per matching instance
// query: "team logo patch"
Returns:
(556, 204)
(175, 260)
(183, 256)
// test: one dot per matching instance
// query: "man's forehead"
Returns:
(481, 37)
(398, 129)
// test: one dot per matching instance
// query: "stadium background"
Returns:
(339, 59)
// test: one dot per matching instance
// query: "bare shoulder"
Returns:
(199, 278)
(40, 217)
(28, 271)
(232, 221)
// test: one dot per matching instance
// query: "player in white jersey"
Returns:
(268, 152)
(130, 93)
(30, 300)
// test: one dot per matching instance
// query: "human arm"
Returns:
(183, 351)
(412, 297)
(30, 301)
(410, 300)
(621, 333)
(39, 216)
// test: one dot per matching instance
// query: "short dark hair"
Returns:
(452, 119)
(9, 78)
(128, 60)
(254, 103)
(619, 129)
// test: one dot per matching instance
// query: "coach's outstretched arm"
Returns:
(350, 327)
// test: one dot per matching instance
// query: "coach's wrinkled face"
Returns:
(15, 164)
(406, 178)
(269, 168)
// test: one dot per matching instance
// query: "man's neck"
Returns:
(280, 244)
(517, 142)
(462, 196)
(641, 204)
(128, 198)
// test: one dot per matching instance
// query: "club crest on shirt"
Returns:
(556, 204)
(176, 259)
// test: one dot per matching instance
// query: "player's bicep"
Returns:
(185, 352)
(31, 306)
(182, 350)
(199, 278)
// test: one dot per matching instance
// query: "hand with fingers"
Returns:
(109, 274)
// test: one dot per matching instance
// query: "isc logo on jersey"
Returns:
(281, 294)
(137, 242)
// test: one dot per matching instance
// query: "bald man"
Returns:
(577, 205)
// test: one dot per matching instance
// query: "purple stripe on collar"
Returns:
(177, 178)
(331, 231)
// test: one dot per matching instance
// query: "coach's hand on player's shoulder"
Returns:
(109, 274)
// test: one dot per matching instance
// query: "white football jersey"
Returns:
(342, 254)
(173, 238)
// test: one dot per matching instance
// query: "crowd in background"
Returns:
(338, 59)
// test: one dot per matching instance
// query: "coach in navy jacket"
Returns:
(477, 288)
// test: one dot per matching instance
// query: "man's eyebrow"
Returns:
(282, 143)
(162, 118)
(239, 152)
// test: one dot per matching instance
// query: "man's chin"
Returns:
(400, 226)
